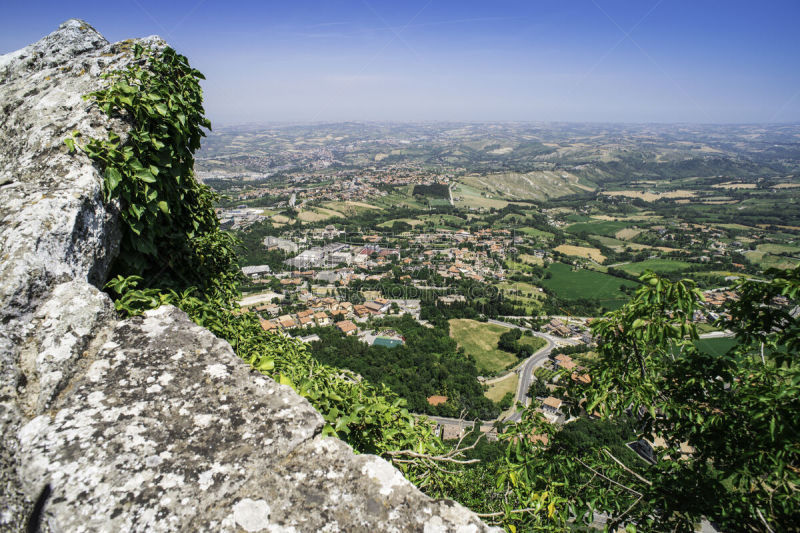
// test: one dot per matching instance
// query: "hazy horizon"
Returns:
(274, 123)
(589, 61)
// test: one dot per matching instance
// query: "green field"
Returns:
(451, 221)
(535, 343)
(572, 285)
(656, 265)
(704, 327)
(521, 291)
(778, 249)
(544, 374)
(606, 228)
(533, 232)
(617, 244)
(575, 217)
(516, 266)
(411, 221)
(437, 202)
(764, 256)
(479, 340)
(766, 261)
(399, 197)
(469, 197)
(498, 390)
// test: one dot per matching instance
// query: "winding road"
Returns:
(526, 370)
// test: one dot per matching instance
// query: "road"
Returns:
(526, 370)
(526, 375)
(457, 421)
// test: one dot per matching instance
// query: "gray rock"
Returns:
(168, 430)
(54, 226)
(70, 324)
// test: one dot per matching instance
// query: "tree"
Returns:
(729, 424)
(537, 389)
(724, 429)
(506, 401)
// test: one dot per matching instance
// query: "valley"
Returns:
(355, 227)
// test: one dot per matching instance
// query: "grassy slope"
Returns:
(498, 390)
(584, 284)
(480, 341)
(656, 265)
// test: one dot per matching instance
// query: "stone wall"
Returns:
(150, 423)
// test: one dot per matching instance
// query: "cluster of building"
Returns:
(308, 187)
(719, 297)
(324, 312)
(239, 217)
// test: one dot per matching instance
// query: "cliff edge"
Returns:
(149, 423)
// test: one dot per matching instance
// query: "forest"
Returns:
(428, 364)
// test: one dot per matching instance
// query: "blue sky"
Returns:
(492, 60)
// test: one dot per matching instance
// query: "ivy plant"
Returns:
(171, 235)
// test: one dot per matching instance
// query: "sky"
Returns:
(699, 61)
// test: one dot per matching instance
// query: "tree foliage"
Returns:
(427, 364)
(726, 427)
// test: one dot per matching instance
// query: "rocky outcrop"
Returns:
(149, 423)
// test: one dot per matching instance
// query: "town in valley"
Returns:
(461, 264)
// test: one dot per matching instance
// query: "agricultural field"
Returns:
(410, 221)
(500, 388)
(519, 267)
(606, 228)
(544, 374)
(399, 197)
(627, 233)
(349, 208)
(779, 249)
(573, 285)
(317, 214)
(531, 259)
(444, 221)
(536, 185)
(479, 340)
(282, 219)
(469, 197)
(766, 260)
(618, 245)
(652, 196)
(656, 265)
(522, 293)
(581, 251)
(775, 255)
(533, 232)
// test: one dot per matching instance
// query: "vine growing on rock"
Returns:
(171, 235)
